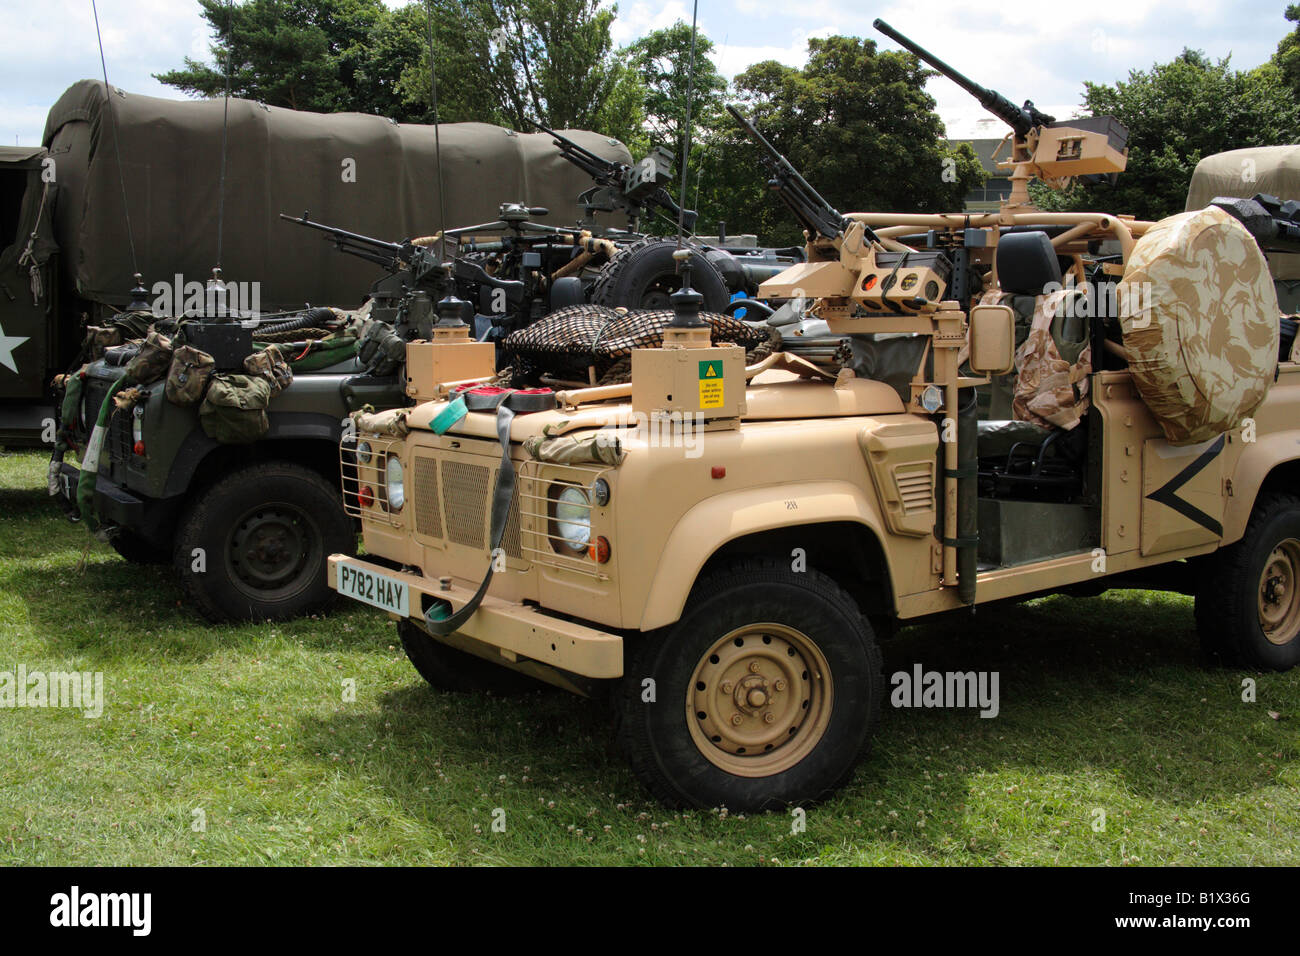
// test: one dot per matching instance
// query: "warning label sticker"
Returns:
(711, 384)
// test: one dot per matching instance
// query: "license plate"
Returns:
(377, 590)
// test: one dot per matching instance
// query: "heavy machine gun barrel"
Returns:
(386, 254)
(617, 178)
(1020, 119)
(602, 170)
(814, 213)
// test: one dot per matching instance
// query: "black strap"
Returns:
(969, 542)
(501, 498)
(965, 471)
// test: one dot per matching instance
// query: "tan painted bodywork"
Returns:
(791, 450)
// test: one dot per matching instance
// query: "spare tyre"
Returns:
(644, 275)
(1200, 322)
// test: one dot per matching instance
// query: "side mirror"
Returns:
(992, 339)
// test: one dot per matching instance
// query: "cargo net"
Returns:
(592, 344)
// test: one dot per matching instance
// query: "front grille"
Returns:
(428, 512)
(119, 436)
(510, 542)
(464, 501)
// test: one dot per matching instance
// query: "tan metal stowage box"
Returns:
(708, 381)
(429, 364)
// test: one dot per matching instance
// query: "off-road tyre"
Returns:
(644, 274)
(266, 532)
(136, 549)
(1248, 596)
(798, 628)
(449, 669)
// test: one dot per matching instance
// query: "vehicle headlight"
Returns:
(396, 492)
(572, 512)
(363, 453)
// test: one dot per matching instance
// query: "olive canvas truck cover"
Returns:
(29, 334)
(364, 173)
(1272, 170)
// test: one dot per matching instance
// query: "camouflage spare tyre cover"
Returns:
(1200, 322)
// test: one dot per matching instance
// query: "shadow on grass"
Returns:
(1109, 690)
(560, 742)
(140, 610)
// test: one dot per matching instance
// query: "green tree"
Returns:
(859, 126)
(1178, 113)
(549, 61)
(303, 54)
(1287, 57)
(660, 61)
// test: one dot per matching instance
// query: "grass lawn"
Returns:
(234, 745)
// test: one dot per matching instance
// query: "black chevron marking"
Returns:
(1168, 495)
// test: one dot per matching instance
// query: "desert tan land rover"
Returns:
(1012, 410)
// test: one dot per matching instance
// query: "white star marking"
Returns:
(7, 345)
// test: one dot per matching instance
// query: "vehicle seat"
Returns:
(1028, 267)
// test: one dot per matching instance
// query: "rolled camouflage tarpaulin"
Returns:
(1200, 322)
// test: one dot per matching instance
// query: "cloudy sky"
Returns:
(1023, 48)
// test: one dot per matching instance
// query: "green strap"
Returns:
(90, 459)
(449, 416)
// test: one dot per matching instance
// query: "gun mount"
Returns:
(815, 214)
(1041, 147)
(636, 190)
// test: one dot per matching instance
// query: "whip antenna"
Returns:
(686, 138)
(117, 149)
(437, 141)
(225, 124)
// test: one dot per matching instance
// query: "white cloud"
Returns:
(636, 18)
(50, 45)
(1022, 48)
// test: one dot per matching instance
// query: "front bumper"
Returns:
(515, 632)
(113, 504)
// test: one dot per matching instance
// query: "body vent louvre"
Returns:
(915, 484)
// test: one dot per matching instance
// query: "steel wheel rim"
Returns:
(272, 549)
(759, 700)
(1279, 593)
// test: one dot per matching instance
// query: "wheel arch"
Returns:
(1269, 465)
(311, 441)
(840, 533)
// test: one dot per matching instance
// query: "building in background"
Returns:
(998, 185)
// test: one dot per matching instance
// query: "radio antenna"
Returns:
(437, 141)
(225, 125)
(686, 136)
(117, 149)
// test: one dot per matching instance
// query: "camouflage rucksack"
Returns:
(1052, 368)
(270, 365)
(234, 409)
(152, 361)
(189, 375)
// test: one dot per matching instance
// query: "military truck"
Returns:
(125, 183)
(720, 542)
(248, 525)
